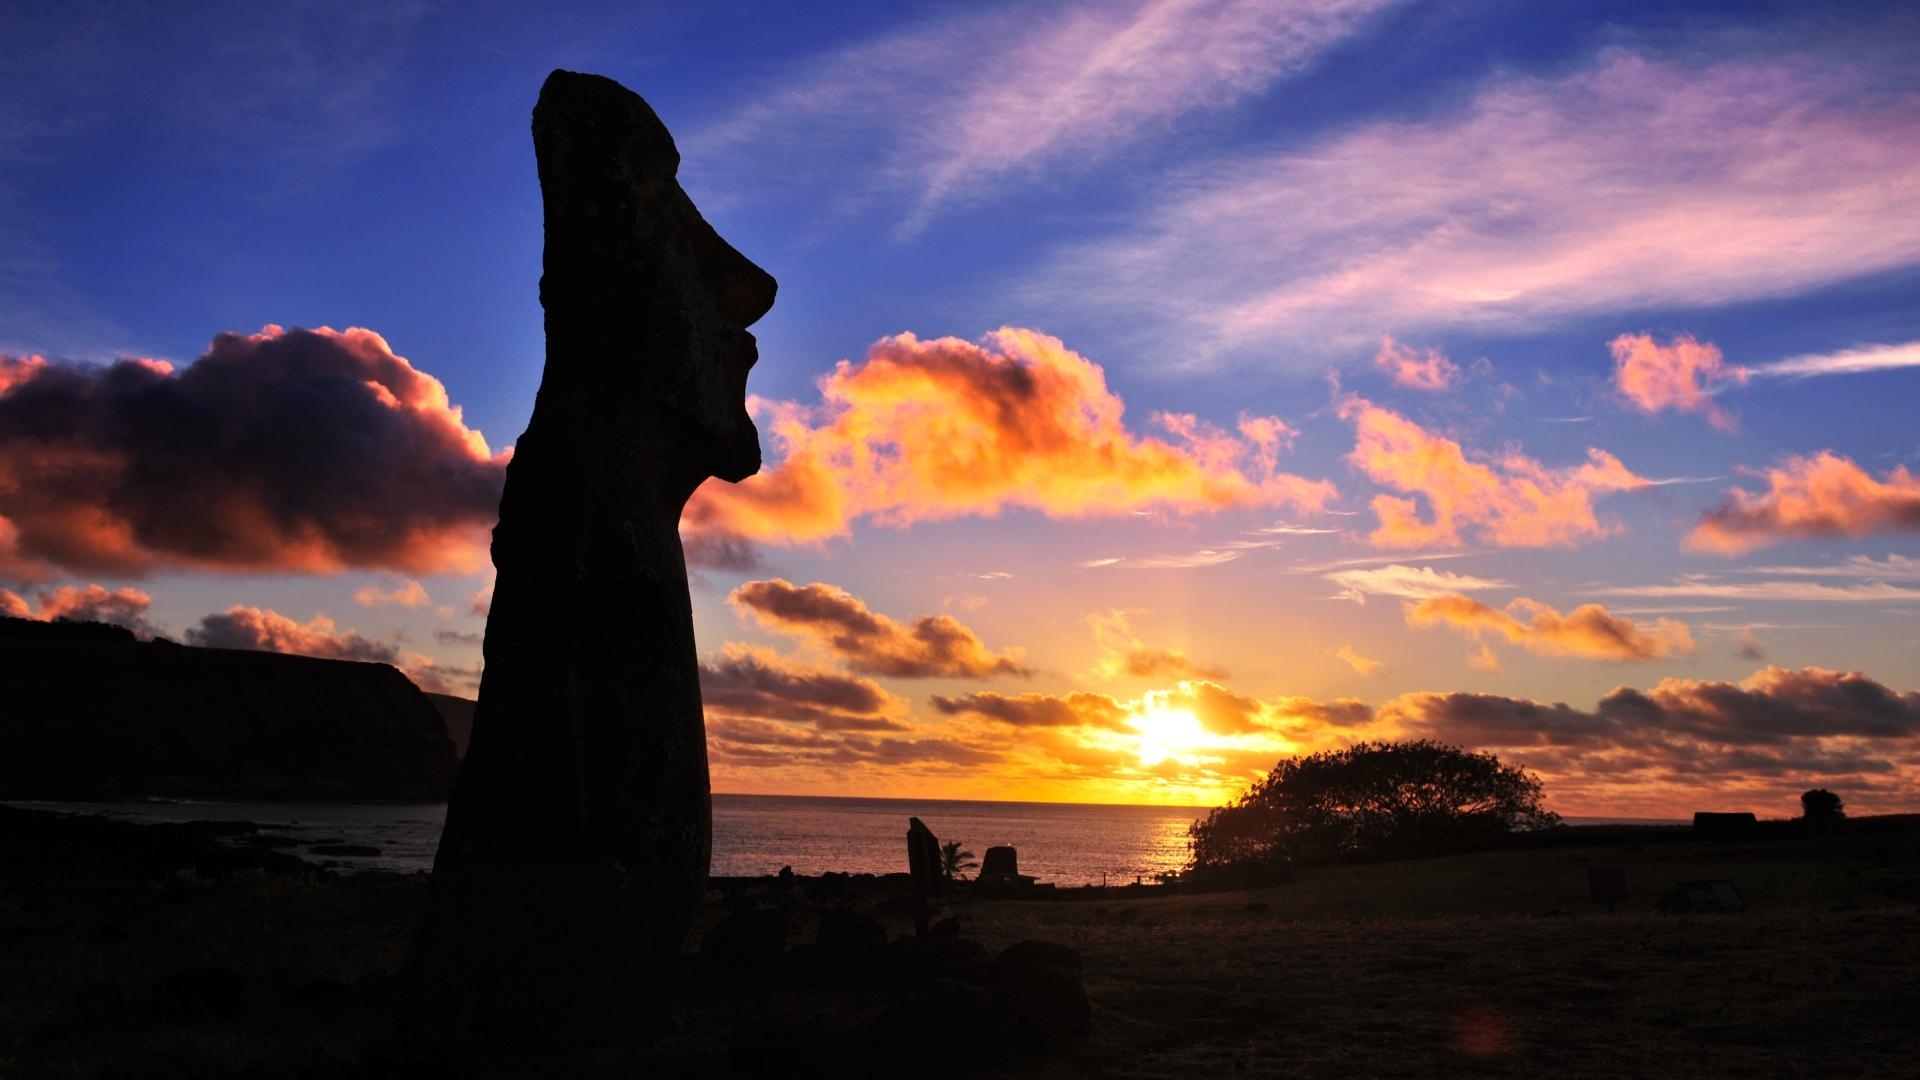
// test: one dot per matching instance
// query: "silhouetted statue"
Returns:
(579, 830)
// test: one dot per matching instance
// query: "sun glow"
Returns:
(1167, 733)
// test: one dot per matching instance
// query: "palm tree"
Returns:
(954, 861)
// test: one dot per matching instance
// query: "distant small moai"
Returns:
(578, 835)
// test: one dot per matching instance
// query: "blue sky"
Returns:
(1229, 207)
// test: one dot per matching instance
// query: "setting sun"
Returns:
(1167, 733)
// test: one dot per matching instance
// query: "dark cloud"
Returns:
(286, 450)
(265, 630)
(1079, 709)
(764, 744)
(933, 646)
(1765, 737)
(748, 683)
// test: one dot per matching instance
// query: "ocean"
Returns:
(1064, 843)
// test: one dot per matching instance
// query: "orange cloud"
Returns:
(934, 646)
(1125, 654)
(932, 430)
(91, 603)
(1588, 631)
(1412, 370)
(1673, 376)
(1510, 500)
(1361, 665)
(1823, 495)
(746, 683)
(285, 450)
(410, 595)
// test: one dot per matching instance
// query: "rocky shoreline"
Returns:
(135, 950)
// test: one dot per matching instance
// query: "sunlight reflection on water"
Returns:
(1064, 843)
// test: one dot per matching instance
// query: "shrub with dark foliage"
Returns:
(1371, 799)
(1821, 806)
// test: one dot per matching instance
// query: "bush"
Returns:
(1371, 799)
(1821, 806)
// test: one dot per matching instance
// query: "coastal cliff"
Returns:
(93, 713)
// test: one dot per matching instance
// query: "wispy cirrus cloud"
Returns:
(1855, 361)
(1701, 586)
(1230, 551)
(1409, 582)
(951, 108)
(1636, 183)
(1892, 568)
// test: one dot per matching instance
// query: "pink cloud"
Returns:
(1412, 370)
(1677, 375)
(411, 594)
(1635, 183)
(90, 603)
(1508, 499)
(266, 630)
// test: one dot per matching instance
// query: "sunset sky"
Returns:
(1154, 390)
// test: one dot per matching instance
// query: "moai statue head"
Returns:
(639, 290)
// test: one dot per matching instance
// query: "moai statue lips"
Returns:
(579, 831)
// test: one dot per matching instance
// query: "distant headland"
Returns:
(95, 713)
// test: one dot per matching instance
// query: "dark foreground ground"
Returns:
(154, 951)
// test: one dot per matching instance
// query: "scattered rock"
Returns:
(753, 939)
(1044, 953)
(847, 935)
(913, 961)
(1040, 1003)
(196, 991)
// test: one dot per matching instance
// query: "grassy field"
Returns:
(128, 953)
(1497, 964)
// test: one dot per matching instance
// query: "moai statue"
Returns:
(579, 830)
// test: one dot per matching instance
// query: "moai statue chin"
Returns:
(579, 830)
